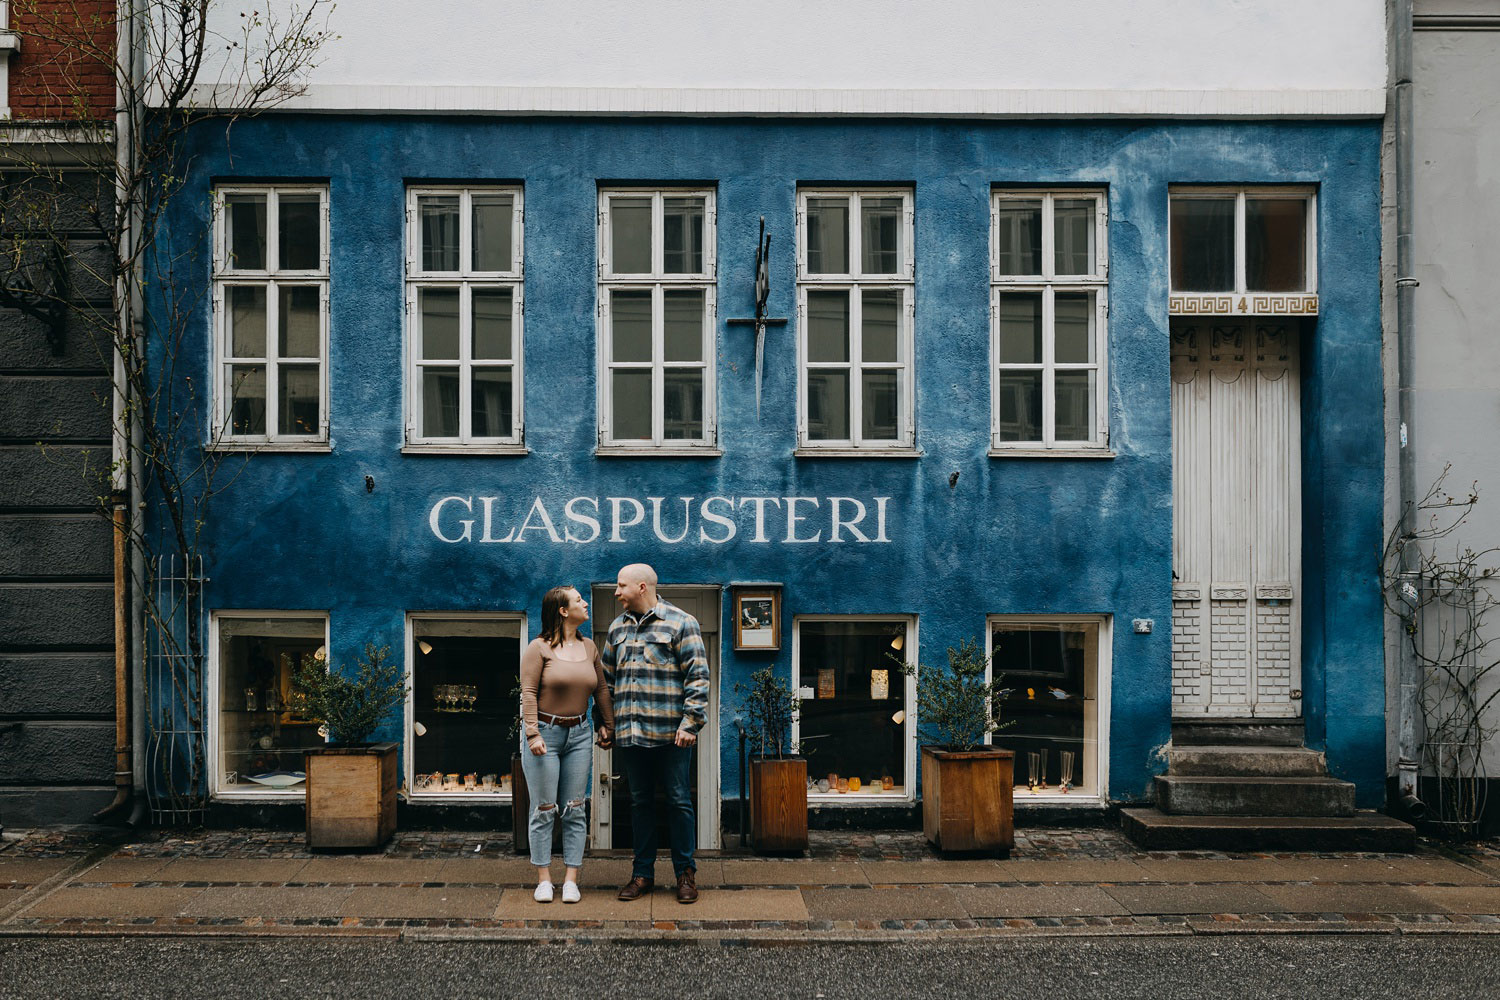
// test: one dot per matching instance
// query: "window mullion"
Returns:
(273, 233)
(465, 235)
(658, 364)
(658, 236)
(1049, 373)
(856, 240)
(1049, 240)
(856, 366)
(465, 357)
(273, 355)
(1239, 243)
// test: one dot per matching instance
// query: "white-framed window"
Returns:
(1259, 242)
(855, 312)
(1049, 274)
(1054, 673)
(464, 677)
(255, 737)
(464, 309)
(270, 300)
(656, 320)
(858, 710)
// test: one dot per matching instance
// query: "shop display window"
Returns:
(853, 723)
(465, 684)
(260, 738)
(1048, 673)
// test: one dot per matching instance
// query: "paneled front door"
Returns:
(1237, 514)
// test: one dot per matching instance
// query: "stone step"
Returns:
(1229, 796)
(1154, 830)
(1246, 761)
(1237, 732)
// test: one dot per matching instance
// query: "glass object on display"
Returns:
(1048, 688)
(464, 673)
(851, 726)
(261, 738)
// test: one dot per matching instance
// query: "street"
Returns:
(1161, 968)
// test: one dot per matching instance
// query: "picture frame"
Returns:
(757, 619)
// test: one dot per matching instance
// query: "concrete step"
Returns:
(1246, 761)
(1227, 796)
(1237, 732)
(1364, 831)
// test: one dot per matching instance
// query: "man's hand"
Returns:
(604, 738)
(685, 738)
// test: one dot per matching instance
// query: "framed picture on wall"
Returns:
(757, 618)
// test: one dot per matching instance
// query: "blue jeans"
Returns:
(668, 766)
(561, 775)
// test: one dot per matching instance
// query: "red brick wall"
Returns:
(58, 73)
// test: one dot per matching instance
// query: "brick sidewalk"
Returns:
(883, 883)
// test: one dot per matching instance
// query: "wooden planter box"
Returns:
(778, 805)
(968, 799)
(520, 807)
(351, 795)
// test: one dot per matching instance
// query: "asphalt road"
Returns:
(1320, 967)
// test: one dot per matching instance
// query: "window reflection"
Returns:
(847, 728)
(1048, 679)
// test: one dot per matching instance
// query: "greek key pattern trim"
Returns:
(1297, 304)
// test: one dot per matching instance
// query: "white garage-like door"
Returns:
(1237, 514)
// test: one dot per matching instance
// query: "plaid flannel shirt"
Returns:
(657, 672)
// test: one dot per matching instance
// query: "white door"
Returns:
(1237, 515)
(609, 801)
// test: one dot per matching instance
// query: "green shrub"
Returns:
(956, 708)
(770, 707)
(350, 706)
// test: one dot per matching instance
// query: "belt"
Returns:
(565, 721)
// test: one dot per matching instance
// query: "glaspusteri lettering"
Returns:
(713, 520)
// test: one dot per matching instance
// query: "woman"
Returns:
(560, 670)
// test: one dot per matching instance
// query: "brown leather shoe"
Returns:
(636, 888)
(687, 889)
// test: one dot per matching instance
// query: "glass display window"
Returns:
(465, 703)
(259, 740)
(855, 724)
(1048, 671)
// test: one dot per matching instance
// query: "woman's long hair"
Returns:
(553, 603)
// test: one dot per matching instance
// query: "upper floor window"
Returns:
(1049, 284)
(855, 310)
(1243, 241)
(270, 289)
(656, 319)
(464, 309)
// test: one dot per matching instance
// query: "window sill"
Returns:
(859, 799)
(269, 795)
(666, 451)
(806, 452)
(465, 449)
(1051, 453)
(263, 447)
(467, 798)
(1024, 798)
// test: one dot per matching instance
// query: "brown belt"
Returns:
(565, 721)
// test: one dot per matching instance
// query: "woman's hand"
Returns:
(537, 745)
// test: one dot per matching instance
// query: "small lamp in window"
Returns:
(424, 646)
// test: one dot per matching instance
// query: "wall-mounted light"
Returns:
(898, 642)
(419, 729)
(321, 653)
(899, 717)
(424, 646)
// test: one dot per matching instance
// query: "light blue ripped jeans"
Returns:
(558, 778)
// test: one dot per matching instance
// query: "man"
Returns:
(657, 672)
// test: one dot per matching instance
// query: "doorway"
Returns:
(1237, 519)
(610, 822)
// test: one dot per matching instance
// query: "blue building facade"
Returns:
(371, 540)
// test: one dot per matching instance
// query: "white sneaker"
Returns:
(570, 892)
(543, 892)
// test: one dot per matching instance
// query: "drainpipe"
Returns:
(120, 535)
(1408, 673)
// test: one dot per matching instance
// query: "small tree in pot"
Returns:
(778, 777)
(968, 787)
(351, 783)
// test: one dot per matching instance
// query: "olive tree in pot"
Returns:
(968, 789)
(778, 776)
(351, 783)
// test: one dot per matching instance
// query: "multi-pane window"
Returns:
(656, 312)
(1049, 280)
(854, 340)
(1243, 241)
(463, 302)
(271, 314)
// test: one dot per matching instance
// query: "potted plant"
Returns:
(968, 790)
(520, 794)
(351, 783)
(778, 777)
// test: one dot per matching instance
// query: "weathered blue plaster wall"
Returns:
(1013, 536)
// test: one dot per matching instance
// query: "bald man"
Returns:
(657, 672)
